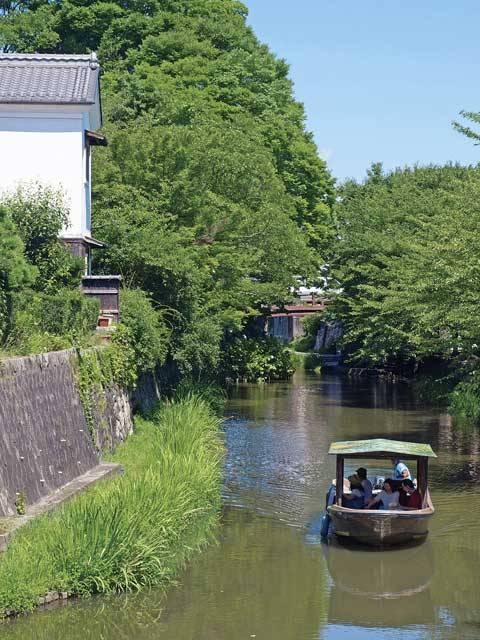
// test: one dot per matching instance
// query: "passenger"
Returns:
(366, 484)
(356, 498)
(410, 498)
(387, 497)
(400, 470)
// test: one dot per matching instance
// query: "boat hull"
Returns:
(378, 527)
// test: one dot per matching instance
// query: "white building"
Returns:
(49, 111)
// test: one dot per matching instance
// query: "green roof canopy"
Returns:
(379, 447)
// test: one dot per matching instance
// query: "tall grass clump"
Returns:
(465, 401)
(212, 393)
(135, 531)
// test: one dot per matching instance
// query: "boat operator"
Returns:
(400, 470)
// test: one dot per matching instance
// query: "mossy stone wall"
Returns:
(45, 440)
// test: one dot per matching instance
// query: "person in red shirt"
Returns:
(410, 498)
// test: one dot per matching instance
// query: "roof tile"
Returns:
(48, 78)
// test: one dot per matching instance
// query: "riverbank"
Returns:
(134, 532)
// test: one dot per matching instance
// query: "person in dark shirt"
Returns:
(410, 498)
(356, 498)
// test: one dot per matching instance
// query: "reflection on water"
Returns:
(380, 588)
(270, 577)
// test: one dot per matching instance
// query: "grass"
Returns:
(135, 531)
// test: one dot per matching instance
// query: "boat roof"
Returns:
(381, 447)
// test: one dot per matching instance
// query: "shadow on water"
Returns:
(269, 577)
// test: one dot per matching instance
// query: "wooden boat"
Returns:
(380, 527)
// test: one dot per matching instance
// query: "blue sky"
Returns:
(381, 80)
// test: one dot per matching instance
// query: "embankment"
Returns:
(45, 438)
(133, 532)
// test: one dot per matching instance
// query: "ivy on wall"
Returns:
(100, 368)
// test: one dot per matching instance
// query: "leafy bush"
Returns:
(312, 323)
(40, 212)
(135, 531)
(149, 335)
(14, 270)
(303, 344)
(465, 400)
(46, 322)
(197, 351)
(37, 311)
(313, 362)
(256, 359)
(435, 389)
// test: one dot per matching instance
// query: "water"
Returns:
(270, 577)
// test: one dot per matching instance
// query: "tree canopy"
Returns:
(407, 263)
(211, 195)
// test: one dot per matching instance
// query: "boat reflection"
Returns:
(380, 588)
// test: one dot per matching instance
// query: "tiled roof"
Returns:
(48, 78)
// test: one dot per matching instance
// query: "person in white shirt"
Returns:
(366, 484)
(389, 499)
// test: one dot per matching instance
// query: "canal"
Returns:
(269, 577)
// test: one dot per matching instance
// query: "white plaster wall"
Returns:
(47, 147)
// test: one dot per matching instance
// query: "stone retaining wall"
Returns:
(45, 441)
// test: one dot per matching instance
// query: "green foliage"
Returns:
(21, 503)
(211, 196)
(50, 321)
(15, 272)
(37, 311)
(210, 392)
(312, 323)
(256, 359)
(133, 532)
(313, 362)
(296, 359)
(465, 400)
(303, 344)
(466, 130)
(100, 368)
(407, 265)
(149, 335)
(65, 312)
(39, 213)
(435, 387)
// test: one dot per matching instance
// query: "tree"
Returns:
(407, 265)
(14, 269)
(39, 213)
(211, 195)
(466, 130)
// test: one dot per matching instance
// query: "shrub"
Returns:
(303, 344)
(256, 359)
(313, 362)
(435, 389)
(46, 322)
(149, 335)
(465, 400)
(312, 323)
(14, 270)
(40, 212)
